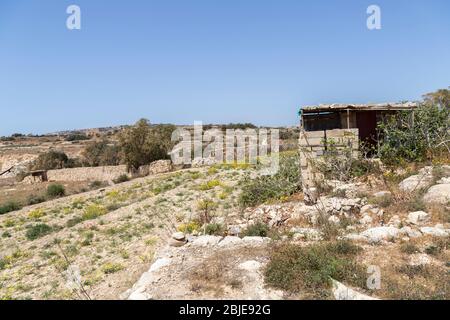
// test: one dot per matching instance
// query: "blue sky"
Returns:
(212, 60)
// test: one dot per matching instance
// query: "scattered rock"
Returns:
(416, 182)
(339, 206)
(255, 240)
(395, 221)
(436, 232)
(445, 180)
(160, 263)
(176, 243)
(342, 292)
(234, 230)
(410, 232)
(419, 259)
(439, 194)
(203, 241)
(230, 241)
(418, 217)
(334, 219)
(138, 292)
(179, 236)
(201, 162)
(378, 234)
(382, 194)
(309, 234)
(372, 210)
(355, 237)
(366, 220)
(251, 265)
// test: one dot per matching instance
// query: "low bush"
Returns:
(214, 229)
(284, 183)
(9, 207)
(409, 248)
(382, 201)
(33, 199)
(93, 211)
(209, 185)
(73, 222)
(36, 214)
(56, 190)
(342, 164)
(189, 227)
(97, 184)
(77, 137)
(110, 268)
(419, 136)
(308, 270)
(258, 229)
(38, 231)
(206, 207)
(122, 178)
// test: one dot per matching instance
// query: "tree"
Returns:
(51, 160)
(420, 135)
(440, 98)
(101, 153)
(142, 144)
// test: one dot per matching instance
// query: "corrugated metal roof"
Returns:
(362, 107)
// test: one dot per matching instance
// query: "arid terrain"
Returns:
(222, 231)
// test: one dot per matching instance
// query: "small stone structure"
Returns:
(41, 175)
(314, 144)
(160, 166)
(105, 173)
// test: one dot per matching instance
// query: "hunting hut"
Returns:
(363, 117)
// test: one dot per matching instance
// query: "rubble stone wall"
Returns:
(312, 144)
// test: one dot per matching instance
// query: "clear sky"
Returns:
(211, 60)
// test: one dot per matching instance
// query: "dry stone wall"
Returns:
(313, 144)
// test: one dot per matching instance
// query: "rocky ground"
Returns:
(109, 235)
(143, 240)
(409, 248)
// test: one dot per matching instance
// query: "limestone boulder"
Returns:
(438, 194)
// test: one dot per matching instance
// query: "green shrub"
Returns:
(110, 268)
(415, 136)
(56, 190)
(284, 183)
(209, 185)
(33, 199)
(189, 227)
(97, 184)
(142, 144)
(77, 137)
(122, 178)
(9, 207)
(74, 221)
(206, 206)
(214, 229)
(341, 163)
(101, 153)
(3, 263)
(93, 211)
(51, 160)
(382, 201)
(308, 270)
(258, 229)
(38, 231)
(416, 203)
(409, 248)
